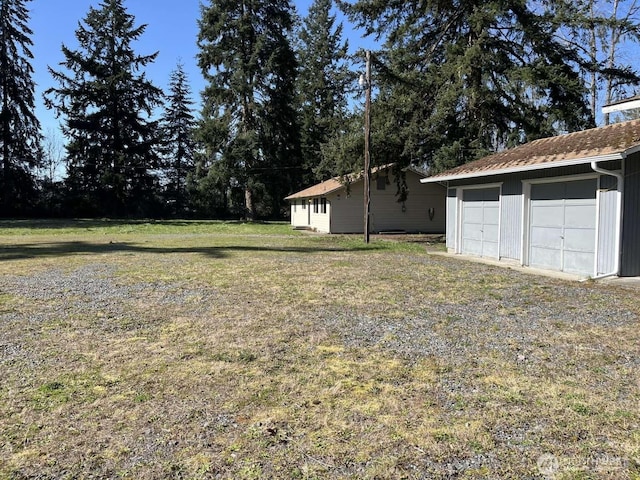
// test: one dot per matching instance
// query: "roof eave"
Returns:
(526, 168)
(296, 196)
(621, 106)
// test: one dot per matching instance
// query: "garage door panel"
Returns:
(471, 246)
(544, 257)
(490, 249)
(491, 216)
(578, 262)
(546, 236)
(473, 231)
(490, 233)
(581, 240)
(544, 215)
(580, 216)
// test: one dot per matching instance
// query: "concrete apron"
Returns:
(514, 265)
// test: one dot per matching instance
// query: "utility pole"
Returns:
(366, 82)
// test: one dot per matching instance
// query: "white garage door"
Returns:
(480, 222)
(563, 226)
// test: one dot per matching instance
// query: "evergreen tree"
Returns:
(107, 106)
(464, 79)
(179, 146)
(19, 127)
(249, 121)
(598, 30)
(323, 82)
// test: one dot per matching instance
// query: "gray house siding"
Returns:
(631, 232)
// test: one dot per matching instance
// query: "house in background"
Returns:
(625, 104)
(334, 207)
(569, 203)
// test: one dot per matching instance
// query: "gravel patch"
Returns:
(96, 289)
(514, 321)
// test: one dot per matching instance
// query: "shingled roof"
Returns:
(333, 184)
(318, 190)
(604, 143)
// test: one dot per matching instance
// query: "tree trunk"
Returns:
(250, 209)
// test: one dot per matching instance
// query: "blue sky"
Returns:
(171, 30)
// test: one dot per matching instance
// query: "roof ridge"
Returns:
(612, 139)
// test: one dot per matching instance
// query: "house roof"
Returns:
(605, 143)
(621, 105)
(334, 184)
(318, 190)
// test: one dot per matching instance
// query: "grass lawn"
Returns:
(195, 350)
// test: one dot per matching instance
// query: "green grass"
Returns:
(220, 360)
(140, 227)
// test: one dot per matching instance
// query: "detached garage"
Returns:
(568, 203)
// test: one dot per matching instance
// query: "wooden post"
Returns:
(367, 140)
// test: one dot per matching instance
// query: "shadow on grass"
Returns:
(60, 249)
(88, 223)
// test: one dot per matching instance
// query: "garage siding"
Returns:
(607, 228)
(511, 220)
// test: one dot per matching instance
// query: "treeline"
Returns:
(452, 81)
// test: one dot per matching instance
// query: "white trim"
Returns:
(526, 230)
(621, 106)
(481, 186)
(596, 256)
(562, 178)
(526, 168)
(459, 201)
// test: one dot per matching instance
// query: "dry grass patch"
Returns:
(222, 355)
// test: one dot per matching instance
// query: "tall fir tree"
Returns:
(462, 79)
(107, 106)
(19, 128)
(324, 81)
(249, 123)
(178, 126)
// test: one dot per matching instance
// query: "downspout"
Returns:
(620, 180)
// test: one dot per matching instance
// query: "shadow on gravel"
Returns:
(33, 250)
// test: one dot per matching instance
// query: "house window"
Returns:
(323, 205)
(381, 182)
(315, 205)
(303, 202)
